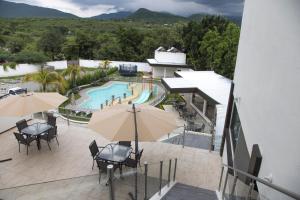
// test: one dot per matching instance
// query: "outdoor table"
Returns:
(37, 129)
(115, 153)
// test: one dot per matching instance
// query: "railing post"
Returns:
(234, 184)
(120, 100)
(160, 177)
(169, 174)
(68, 116)
(225, 184)
(101, 106)
(222, 170)
(110, 172)
(146, 180)
(175, 167)
(250, 190)
(106, 102)
(183, 139)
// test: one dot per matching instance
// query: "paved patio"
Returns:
(72, 158)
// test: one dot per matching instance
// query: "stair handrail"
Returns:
(271, 185)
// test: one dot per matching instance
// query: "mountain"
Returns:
(235, 19)
(117, 15)
(146, 15)
(20, 10)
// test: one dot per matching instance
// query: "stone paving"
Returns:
(71, 159)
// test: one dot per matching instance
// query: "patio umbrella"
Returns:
(131, 123)
(26, 104)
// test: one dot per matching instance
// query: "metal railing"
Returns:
(232, 187)
(154, 176)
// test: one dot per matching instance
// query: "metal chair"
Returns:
(21, 125)
(129, 162)
(51, 134)
(22, 140)
(125, 143)
(51, 120)
(94, 149)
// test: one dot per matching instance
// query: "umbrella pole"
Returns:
(136, 150)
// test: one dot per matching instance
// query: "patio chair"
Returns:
(21, 125)
(129, 162)
(102, 166)
(51, 120)
(51, 134)
(22, 140)
(125, 143)
(94, 149)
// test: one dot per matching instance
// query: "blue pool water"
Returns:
(99, 95)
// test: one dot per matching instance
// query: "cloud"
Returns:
(88, 8)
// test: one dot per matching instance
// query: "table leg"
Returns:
(121, 171)
(38, 142)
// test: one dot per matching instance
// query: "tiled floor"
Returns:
(72, 158)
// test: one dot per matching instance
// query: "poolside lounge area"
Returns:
(72, 159)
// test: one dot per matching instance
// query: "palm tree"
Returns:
(74, 71)
(45, 78)
(11, 65)
(105, 63)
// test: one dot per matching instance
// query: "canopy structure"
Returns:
(29, 103)
(208, 84)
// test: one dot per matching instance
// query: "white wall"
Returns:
(170, 57)
(22, 69)
(159, 72)
(267, 81)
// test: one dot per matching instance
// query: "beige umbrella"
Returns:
(117, 123)
(26, 104)
(128, 123)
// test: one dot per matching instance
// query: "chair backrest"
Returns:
(140, 154)
(125, 143)
(20, 138)
(51, 133)
(52, 120)
(94, 148)
(21, 125)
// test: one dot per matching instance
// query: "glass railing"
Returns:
(151, 179)
(236, 184)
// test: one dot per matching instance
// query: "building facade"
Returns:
(264, 112)
(166, 62)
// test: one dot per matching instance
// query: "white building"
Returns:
(166, 62)
(207, 93)
(265, 114)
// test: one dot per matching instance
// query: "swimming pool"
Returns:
(98, 96)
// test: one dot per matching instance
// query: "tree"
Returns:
(45, 78)
(29, 57)
(105, 63)
(15, 44)
(130, 40)
(51, 43)
(86, 44)
(73, 71)
(71, 50)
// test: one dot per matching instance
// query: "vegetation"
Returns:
(73, 72)
(210, 43)
(46, 78)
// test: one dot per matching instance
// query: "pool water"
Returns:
(98, 96)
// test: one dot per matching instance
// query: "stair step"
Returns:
(182, 192)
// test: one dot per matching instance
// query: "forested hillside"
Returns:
(210, 43)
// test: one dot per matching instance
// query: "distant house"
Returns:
(166, 62)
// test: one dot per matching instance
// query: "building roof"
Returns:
(210, 85)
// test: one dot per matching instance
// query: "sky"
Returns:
(88, 8)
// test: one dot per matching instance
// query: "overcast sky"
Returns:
(88, 8)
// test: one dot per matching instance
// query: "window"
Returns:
(235, 126)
